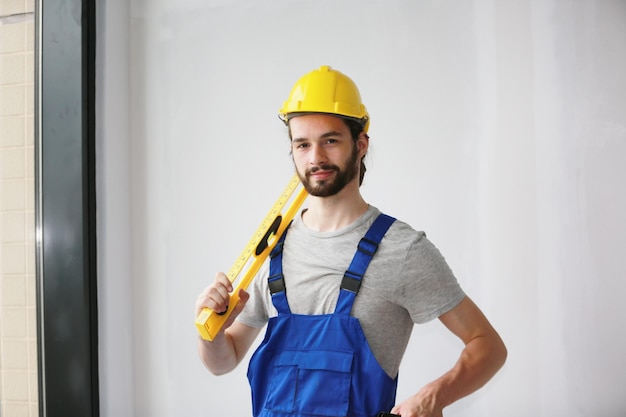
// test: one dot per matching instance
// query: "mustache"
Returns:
(324, 167)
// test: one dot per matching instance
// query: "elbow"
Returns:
(218, 371)
(214, 362)
(218, 366)
(504, 354)
(499, 353)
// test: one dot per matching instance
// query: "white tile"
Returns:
(13, 258)
(12, 100)
(12, 194)
(13, 37)
(15, 355)
(12, 131)
(12, 227)
(12, 163)
(12, 69)
(13, 291)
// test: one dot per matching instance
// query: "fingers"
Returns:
(216, 296)
(243, 299)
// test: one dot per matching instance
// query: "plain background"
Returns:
(498, 127)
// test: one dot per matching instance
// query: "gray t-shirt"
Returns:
(407, 282)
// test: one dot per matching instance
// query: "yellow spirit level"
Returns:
(208, 322)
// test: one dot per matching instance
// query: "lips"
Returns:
(321, 174)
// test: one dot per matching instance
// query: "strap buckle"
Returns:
(276, 283)
(367, 246)
(351, 281)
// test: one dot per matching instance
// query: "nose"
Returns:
(318, 155)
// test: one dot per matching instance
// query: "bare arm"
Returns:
(231, 344)
(483, 355)
(225, 352)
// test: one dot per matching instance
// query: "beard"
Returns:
(332, 186)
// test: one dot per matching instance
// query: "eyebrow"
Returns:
(329, 134)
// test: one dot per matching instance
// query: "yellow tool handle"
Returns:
(208, 322)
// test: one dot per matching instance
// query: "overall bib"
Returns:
(320, 365)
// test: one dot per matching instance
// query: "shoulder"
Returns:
(404, 233)
(411, 255)
(401, 238)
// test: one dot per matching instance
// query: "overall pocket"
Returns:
(311, 382)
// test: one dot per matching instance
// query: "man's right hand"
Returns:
(233, 341)
(217, 297)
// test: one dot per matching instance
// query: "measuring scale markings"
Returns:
(208, 322)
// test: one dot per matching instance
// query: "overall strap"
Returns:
(366, 249)
(276, 280)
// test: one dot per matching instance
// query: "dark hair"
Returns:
(356, 128)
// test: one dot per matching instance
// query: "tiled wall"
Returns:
(18, 348)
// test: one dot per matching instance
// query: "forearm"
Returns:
(481, 358)
(218, 356)
(484, 353)
(230, 345)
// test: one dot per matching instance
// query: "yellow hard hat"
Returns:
(325, 90)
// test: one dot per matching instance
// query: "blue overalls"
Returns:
(320, 365)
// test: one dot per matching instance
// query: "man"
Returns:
(344, 286)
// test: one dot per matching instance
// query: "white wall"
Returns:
(497, 127)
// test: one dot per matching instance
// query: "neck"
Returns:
(326, 214)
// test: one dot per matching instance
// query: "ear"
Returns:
(363, 143)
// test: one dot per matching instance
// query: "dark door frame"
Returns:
(67, 309)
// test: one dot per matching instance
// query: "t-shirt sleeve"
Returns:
(430, 287)
(255, 314)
